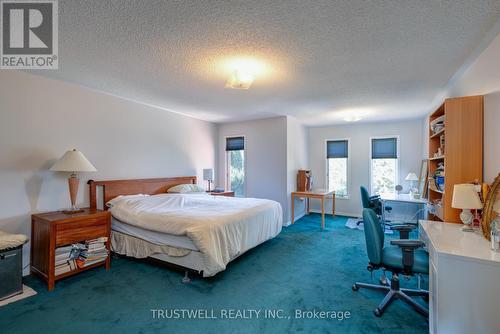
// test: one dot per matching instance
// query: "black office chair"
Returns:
(375, 203)
(402, 257)
(372, 202)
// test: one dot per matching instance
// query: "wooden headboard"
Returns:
(114, 188)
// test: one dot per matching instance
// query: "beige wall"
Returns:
(410, 146)
(42, 118)
(482, 77)
(296, 141)
(265, 157)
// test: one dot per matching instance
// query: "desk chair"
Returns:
(372, 202)
(375, 203)
(402, 257)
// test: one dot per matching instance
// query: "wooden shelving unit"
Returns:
(462, 153)
(55, 229)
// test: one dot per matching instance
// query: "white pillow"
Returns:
(186, 188)
(117, 199)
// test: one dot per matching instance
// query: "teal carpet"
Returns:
(302, 269)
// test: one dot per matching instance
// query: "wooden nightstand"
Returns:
(224, 193)
(55, 229)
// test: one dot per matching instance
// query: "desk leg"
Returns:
(322, 212)
(383, 214)
(293, 208)
(333, 206)
(307, 204)
(425, 213)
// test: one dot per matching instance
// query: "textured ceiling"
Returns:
(329, 60)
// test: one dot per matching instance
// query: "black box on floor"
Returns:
(11, 272)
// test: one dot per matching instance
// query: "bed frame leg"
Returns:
(186, 279)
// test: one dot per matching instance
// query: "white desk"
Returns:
(464, 280)
(402, 198)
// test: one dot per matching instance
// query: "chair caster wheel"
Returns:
(355, 287)
(377, 312)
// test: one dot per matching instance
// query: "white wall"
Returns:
(410, 146)
(265, 157)
(296, 134)
(42, 118)
(482, 77)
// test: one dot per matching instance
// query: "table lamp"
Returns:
(73, 161)
(208, 175)
(412, 177)
(466, 198)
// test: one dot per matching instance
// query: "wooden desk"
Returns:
(318, 194)
(403, 198)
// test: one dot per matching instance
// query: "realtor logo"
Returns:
(29, 34)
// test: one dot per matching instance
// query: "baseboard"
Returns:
(341, 213)
(297, 217)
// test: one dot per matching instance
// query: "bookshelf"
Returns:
(457, 148)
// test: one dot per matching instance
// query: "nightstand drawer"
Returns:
(73, 232)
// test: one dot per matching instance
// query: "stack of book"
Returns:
(95, 251)
(65, 259)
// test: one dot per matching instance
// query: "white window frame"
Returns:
(370, 160)
(227, 183)
(348, 166)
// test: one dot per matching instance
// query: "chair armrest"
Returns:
(402, 227)
(374, 197)
(408, 252)
(410, 244)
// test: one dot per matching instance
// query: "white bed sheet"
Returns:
(152, 236)
(222, 228)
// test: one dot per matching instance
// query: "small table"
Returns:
(320, 194)
(55, 229)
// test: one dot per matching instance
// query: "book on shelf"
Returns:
(80, 255)
(65, 267)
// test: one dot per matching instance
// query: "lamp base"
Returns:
(467, 217)
(72, 211)
(467, 228)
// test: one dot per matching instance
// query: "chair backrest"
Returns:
(365, 197)
(374, 236)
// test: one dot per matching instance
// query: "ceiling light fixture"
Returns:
(240, 80)
(243, 71)
(352, 118)
(354, 114)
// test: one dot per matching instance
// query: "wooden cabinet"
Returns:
(461, 143)
(55, 229)
(463, 280)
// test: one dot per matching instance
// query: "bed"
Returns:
(197, 232)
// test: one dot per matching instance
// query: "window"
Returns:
(384, 165)
(337, 166)
(235, 165)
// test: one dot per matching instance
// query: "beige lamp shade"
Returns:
(208, 174)
(465, 197)
(411, 177)
(73, 161)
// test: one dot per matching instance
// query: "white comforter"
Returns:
(222, 228)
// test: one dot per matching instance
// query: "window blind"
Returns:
(336, 149)
(385, 148)
(235, 143)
